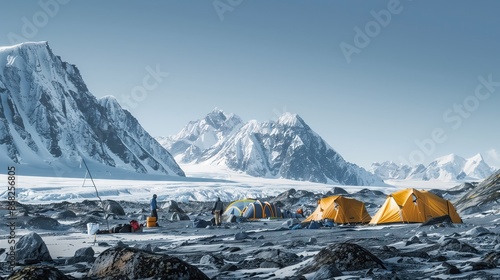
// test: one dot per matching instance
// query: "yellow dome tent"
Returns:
(413, 206)
(341, 210)
(236, 207)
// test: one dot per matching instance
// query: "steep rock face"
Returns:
(287, 148)
(484, 197)
(48, 117)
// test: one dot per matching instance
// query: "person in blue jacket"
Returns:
(154, 206)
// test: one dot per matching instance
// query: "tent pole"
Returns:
(97, 193)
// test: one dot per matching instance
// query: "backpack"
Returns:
(135, 225)
(126, 228)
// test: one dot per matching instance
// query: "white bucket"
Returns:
(92, 228)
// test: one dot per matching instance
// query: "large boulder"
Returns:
(32, 249)
(172, 207)
(38, 272)
(327, 272)
(453, 244)
(113, 207)
(64, 215)
(345, 256)
(82, 255)
(133, 263)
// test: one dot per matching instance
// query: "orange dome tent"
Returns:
(413, 206)
(341, 210)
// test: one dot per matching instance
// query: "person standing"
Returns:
(217, 211)
(154, 206)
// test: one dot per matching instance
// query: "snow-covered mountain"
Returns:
(287, 148)
(446, 168)
(199, 136)
(49, 120)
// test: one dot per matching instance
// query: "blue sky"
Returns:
(404, 87)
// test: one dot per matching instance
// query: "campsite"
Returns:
(355, 236)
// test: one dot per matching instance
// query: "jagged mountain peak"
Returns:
(451, 158)
(450, 167)
(286, 148)
(477, 157)
(49, 119)
(201, 135)
(27, 45)
(292, 120)
(216, 118)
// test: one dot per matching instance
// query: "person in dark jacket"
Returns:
(217, 211)
(154, 206)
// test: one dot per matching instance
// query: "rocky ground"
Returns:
(264, 249)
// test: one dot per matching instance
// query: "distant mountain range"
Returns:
(49, 121)
(286, 148)
(446, 168)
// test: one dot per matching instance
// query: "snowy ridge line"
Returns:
(287, 148)
(49, 121)
(446, 168)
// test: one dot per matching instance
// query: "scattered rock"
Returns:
(346, 256)
(120, 244)
(453, 244)
(276, 255)
(144, 247)
(120, 263)
(233, 249)
(477, 231)
(338, 191)
(267, 244)
(415, 254)
(421, 234)
(482, 265)
(438, 220)
(312, 241)
(413, 240)
(228, 267)
(32, 249)
(451, 269)
(42, 222)
(439, 258)
(113, 207)
(492, 257)
(103, 244)
(241, 236)
(200, 223)
(270, 264)
(291, 222)
(212, 260)
(38, 272)
(172, 207)
(64, 215)
(82, 255)
(327, 272)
